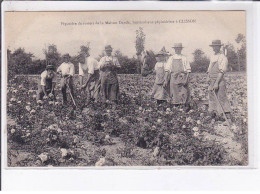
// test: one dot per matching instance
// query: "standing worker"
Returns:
(47, 84)
(108, 76)
(89, 67)
(217, 85)
(177, 77)
(159, 92)
(67, 71)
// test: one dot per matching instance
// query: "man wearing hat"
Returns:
(159, 92)
(67, 71)
(177, 76)
(217, 68)
(108, 76)
(89, 67)
(47, 84)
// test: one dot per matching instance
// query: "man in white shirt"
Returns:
(109, 81)
(47, 84)
(217, 68)
(89, 67)
(177, 73)
(67, 71)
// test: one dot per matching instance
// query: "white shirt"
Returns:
(185, 63)
(89, 66)
(222, 62)
(44, 76)
(105, 59)
(66, 69)
(159, 65)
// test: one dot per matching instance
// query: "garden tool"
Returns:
(71, 94)
(223, 112)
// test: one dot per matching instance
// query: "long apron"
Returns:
(221, 92)
(109, 84)
(159, 92)
(179, 94)
(94, 85)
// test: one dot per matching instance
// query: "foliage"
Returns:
(200, 62)
(140, 41)
(52, 56)
(135, 132)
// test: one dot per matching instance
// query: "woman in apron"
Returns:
(159, 92)
(89, 67)
(217, 68)
(177, 77)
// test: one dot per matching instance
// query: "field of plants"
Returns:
(136, 132)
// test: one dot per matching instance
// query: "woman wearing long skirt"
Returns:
(89, 67)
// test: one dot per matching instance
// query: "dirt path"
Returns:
(226, 137)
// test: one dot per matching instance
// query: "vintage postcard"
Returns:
(126, 88)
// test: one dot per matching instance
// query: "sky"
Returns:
(34, 31)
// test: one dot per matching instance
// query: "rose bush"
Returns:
(66, 136)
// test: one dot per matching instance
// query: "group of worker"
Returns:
(171, 81)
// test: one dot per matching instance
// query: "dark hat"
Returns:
(163, 52)
(177, 45)
(66, 56)
(49, 67)
(108, 48)
(216, 43)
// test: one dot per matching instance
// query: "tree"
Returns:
(140, 41)
(232, 57)
(241, 51)
(128, 66)
(18, 62)
(200, 61)
(52, 56)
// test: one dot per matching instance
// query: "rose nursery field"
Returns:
(136, 132)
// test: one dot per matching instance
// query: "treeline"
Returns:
(22, 62)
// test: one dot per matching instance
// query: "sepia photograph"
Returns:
(126, 89)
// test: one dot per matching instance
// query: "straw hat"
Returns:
(177, 45)
(66, 56)
(108, 48)
(49, 67)
(216, 43)
(162, 52)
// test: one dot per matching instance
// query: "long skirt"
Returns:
(94, 86)
(179, 93)
(222, 97)
(159, 92)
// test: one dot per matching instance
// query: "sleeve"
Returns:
(210, 63)
(72, 70)
(91, 67)
(43, 79)
(167, 66)
(101, 62)
(59, 68)
(81, 72)
(223, 64)
(117, 62)
(187, 65)
(54, 79)
(156, 66)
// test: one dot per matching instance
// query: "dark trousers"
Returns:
(65, 81)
